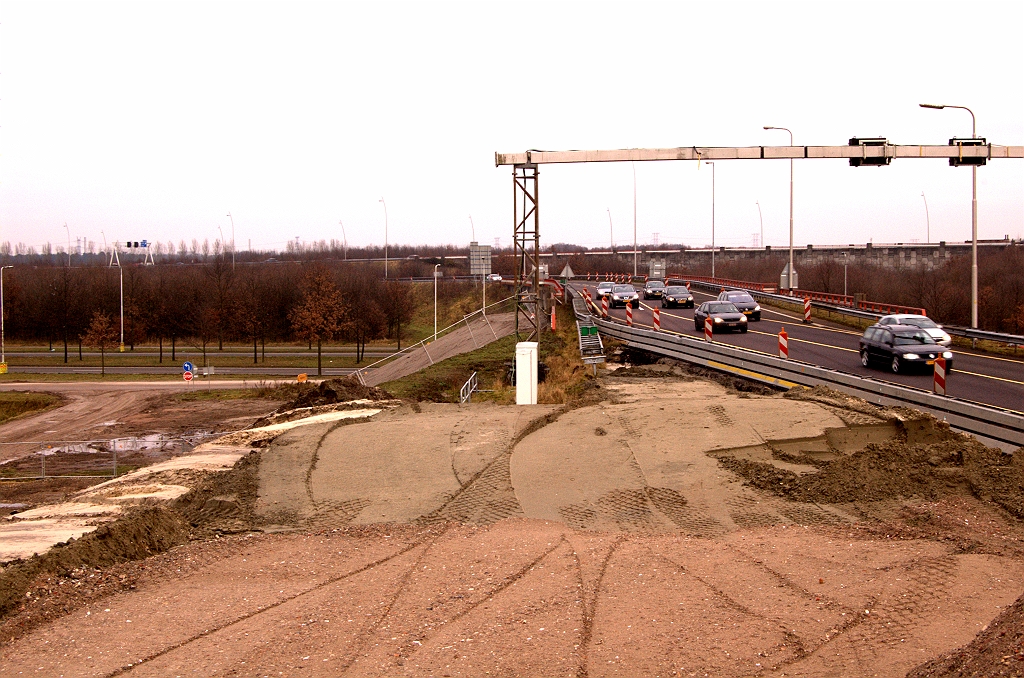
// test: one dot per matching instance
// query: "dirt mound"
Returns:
(331, 391)
(224, 502)
(996, 651)
(138, 534)
(926, 461)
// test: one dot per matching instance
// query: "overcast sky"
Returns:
(153, 120)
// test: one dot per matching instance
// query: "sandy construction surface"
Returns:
(606, 540)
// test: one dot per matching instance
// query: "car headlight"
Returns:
(947, 354)
(756, 307)
(718, 320)
(911, 356)
(743, 318)
(946, 337)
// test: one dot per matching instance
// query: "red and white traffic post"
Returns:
(604, 307)
(553, 328)
(939, 380)
(783, 344)
(656, 317)
(629, 314)
(807, 309)
(709, 334)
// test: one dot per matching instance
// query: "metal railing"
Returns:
(1000, 424)
(422, 344)
(466, 393)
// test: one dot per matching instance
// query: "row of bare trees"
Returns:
(205, 306)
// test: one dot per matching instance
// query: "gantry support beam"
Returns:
(526, 251)
(988, 151)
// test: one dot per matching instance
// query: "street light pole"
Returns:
(974, 215)
(386, 240)
(436, 266)
(3, 354)
(761, 217)
(712, 163)
(120, 272)
(232, 240)
(344, 238)
(611, 233)
(789, 280)
(927, 219)
(472, 227)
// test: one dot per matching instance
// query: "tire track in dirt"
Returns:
(590, 607)
(249, 615)
(450, 506)
(409, 649)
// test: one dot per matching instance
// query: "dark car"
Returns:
(724, 316)
(743, 301)
(654, 289)
(676, 296)
(604, 289)
(623, 295)
(901, 348)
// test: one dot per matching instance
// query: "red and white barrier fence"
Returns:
(783, 344)
(939, 380)
(656, 317)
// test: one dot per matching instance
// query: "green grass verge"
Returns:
(258, 390)
(15, 403)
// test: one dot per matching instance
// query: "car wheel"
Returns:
(696, 325)
(864, 360)
(743, 330)
(895, 364)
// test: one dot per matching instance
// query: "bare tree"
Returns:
(101, 334)
(320, 314)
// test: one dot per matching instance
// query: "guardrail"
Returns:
(999, 424)
(466, 392)
(422, 344)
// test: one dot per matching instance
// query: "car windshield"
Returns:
(655, 283)
(604, 286)
(742, 298)
(722, 307)
(922, 322)
(623, 289)
(677, 290)
(909, 338)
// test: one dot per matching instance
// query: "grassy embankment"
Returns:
(15, 403)
(568, 379)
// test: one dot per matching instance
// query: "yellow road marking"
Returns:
(989, 376)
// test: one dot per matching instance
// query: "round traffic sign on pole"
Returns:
(187, 367)
(187, 376)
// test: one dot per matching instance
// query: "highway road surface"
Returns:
(979, 377)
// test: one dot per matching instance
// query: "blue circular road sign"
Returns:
(187, 367)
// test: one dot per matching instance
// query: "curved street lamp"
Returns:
(232, 240)
(789, 280)
(344, 238)
(761, 217)
(974, 215)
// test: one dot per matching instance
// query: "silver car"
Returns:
(924, 322)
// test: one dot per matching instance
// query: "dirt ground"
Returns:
(675, 526)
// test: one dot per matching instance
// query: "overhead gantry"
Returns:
(860, 152)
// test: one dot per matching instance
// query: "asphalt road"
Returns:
(989, 379)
